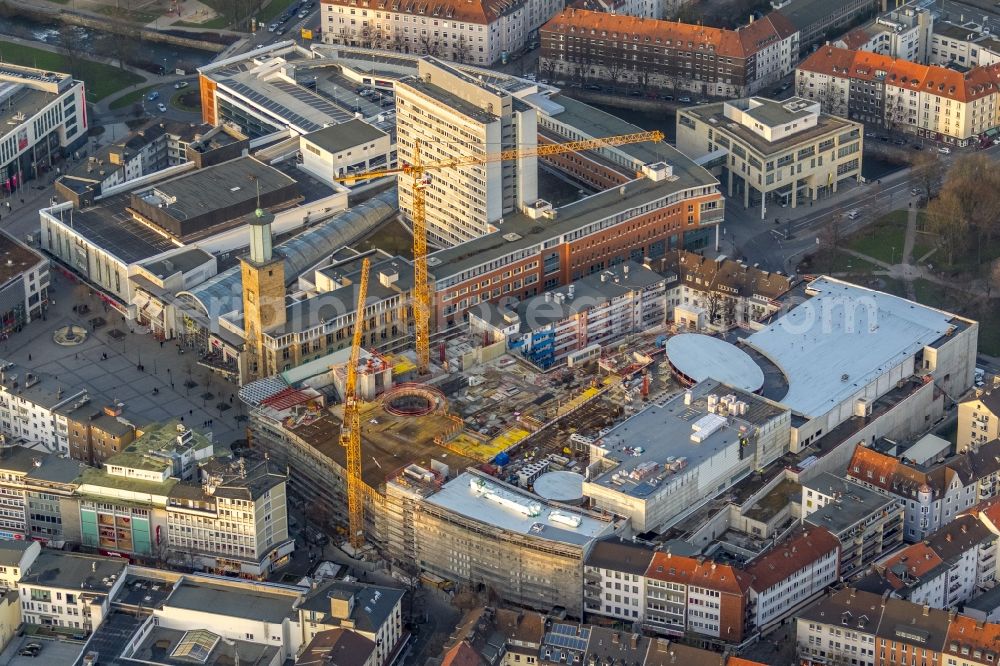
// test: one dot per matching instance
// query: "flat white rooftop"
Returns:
(836, 343)
(700, 357)
(507, 508)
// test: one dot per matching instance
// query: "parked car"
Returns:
(30, 650)
(853, 214)
(162, 107)
(916, 146)
(153, 96)
(180, 84)
(303, 14)
(944, 150)
(272, 27)
(916, 191)
(684, 100)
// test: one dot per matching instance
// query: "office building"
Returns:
(45, 117)
(782, 153)
(817, 21)
(906, 33)
(96, 433)
(346, 149)
(619, 50)
(453, 115)
(963, 45)
(591, 313)
(34, 488)
(480, 32)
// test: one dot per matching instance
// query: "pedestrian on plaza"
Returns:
(29, 357)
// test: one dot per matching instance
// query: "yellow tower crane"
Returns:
(350, 429)
(418, 172)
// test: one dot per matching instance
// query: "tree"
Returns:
(974, 180)
(463, 50)
(832, 233)
(925, 169)
(993, 279)
(429, 46)
(945, 217)
(729, 312)
(69, 40)
(615, 69)
(714, 306)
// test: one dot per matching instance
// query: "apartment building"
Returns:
(951, 566)
(627, 51)
(480, 32)
(906, 33)
(853, 626)
(450, 114)
(978, 419)
(688, 595)
(70, 590)
(778, 152)
(369, 611)
(931, 496)
(930, 101)
(718, 294)
(592, 312)
(791, 574)
(95, 433)
(867, 522)
(33, 487)
(614, 579)
(29, 407)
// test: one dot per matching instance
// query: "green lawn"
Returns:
(131, 98)
(186, 100)
(922, 244)
(882, 240)
(828, 260)
(101, 79)
(132, 15)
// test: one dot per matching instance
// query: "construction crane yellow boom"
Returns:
(418, 171)
(350, 429)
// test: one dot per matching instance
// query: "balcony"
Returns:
(712, 217)
(592, 576)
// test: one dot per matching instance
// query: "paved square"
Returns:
(117, 376)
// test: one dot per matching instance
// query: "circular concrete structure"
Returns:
(412, 400)
(695, 357)
(565, 487)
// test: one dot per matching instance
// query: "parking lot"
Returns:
(53, 652)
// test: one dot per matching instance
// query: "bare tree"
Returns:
(993, 279)
(925, 169)
(946, 218)
(832, 233)
(429, 46)
(714, 306)
(69, 40)
(462, 50)
(615, 68)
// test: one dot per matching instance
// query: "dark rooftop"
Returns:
(336, 138)
(15, 259)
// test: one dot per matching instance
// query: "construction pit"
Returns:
(501, 416)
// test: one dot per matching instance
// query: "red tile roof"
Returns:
(942, 81)
(964, 631)
(701, 572)
(793, 554)
(739, 43)
(462, 654)
(918, 559)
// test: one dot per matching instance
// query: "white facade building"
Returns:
(475, 32)
(454, 115)
(351, 147)
(614, 579)
(68, 590)
(44, 113)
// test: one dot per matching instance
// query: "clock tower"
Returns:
(263, 274)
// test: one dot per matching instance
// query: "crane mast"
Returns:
(350, 429)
